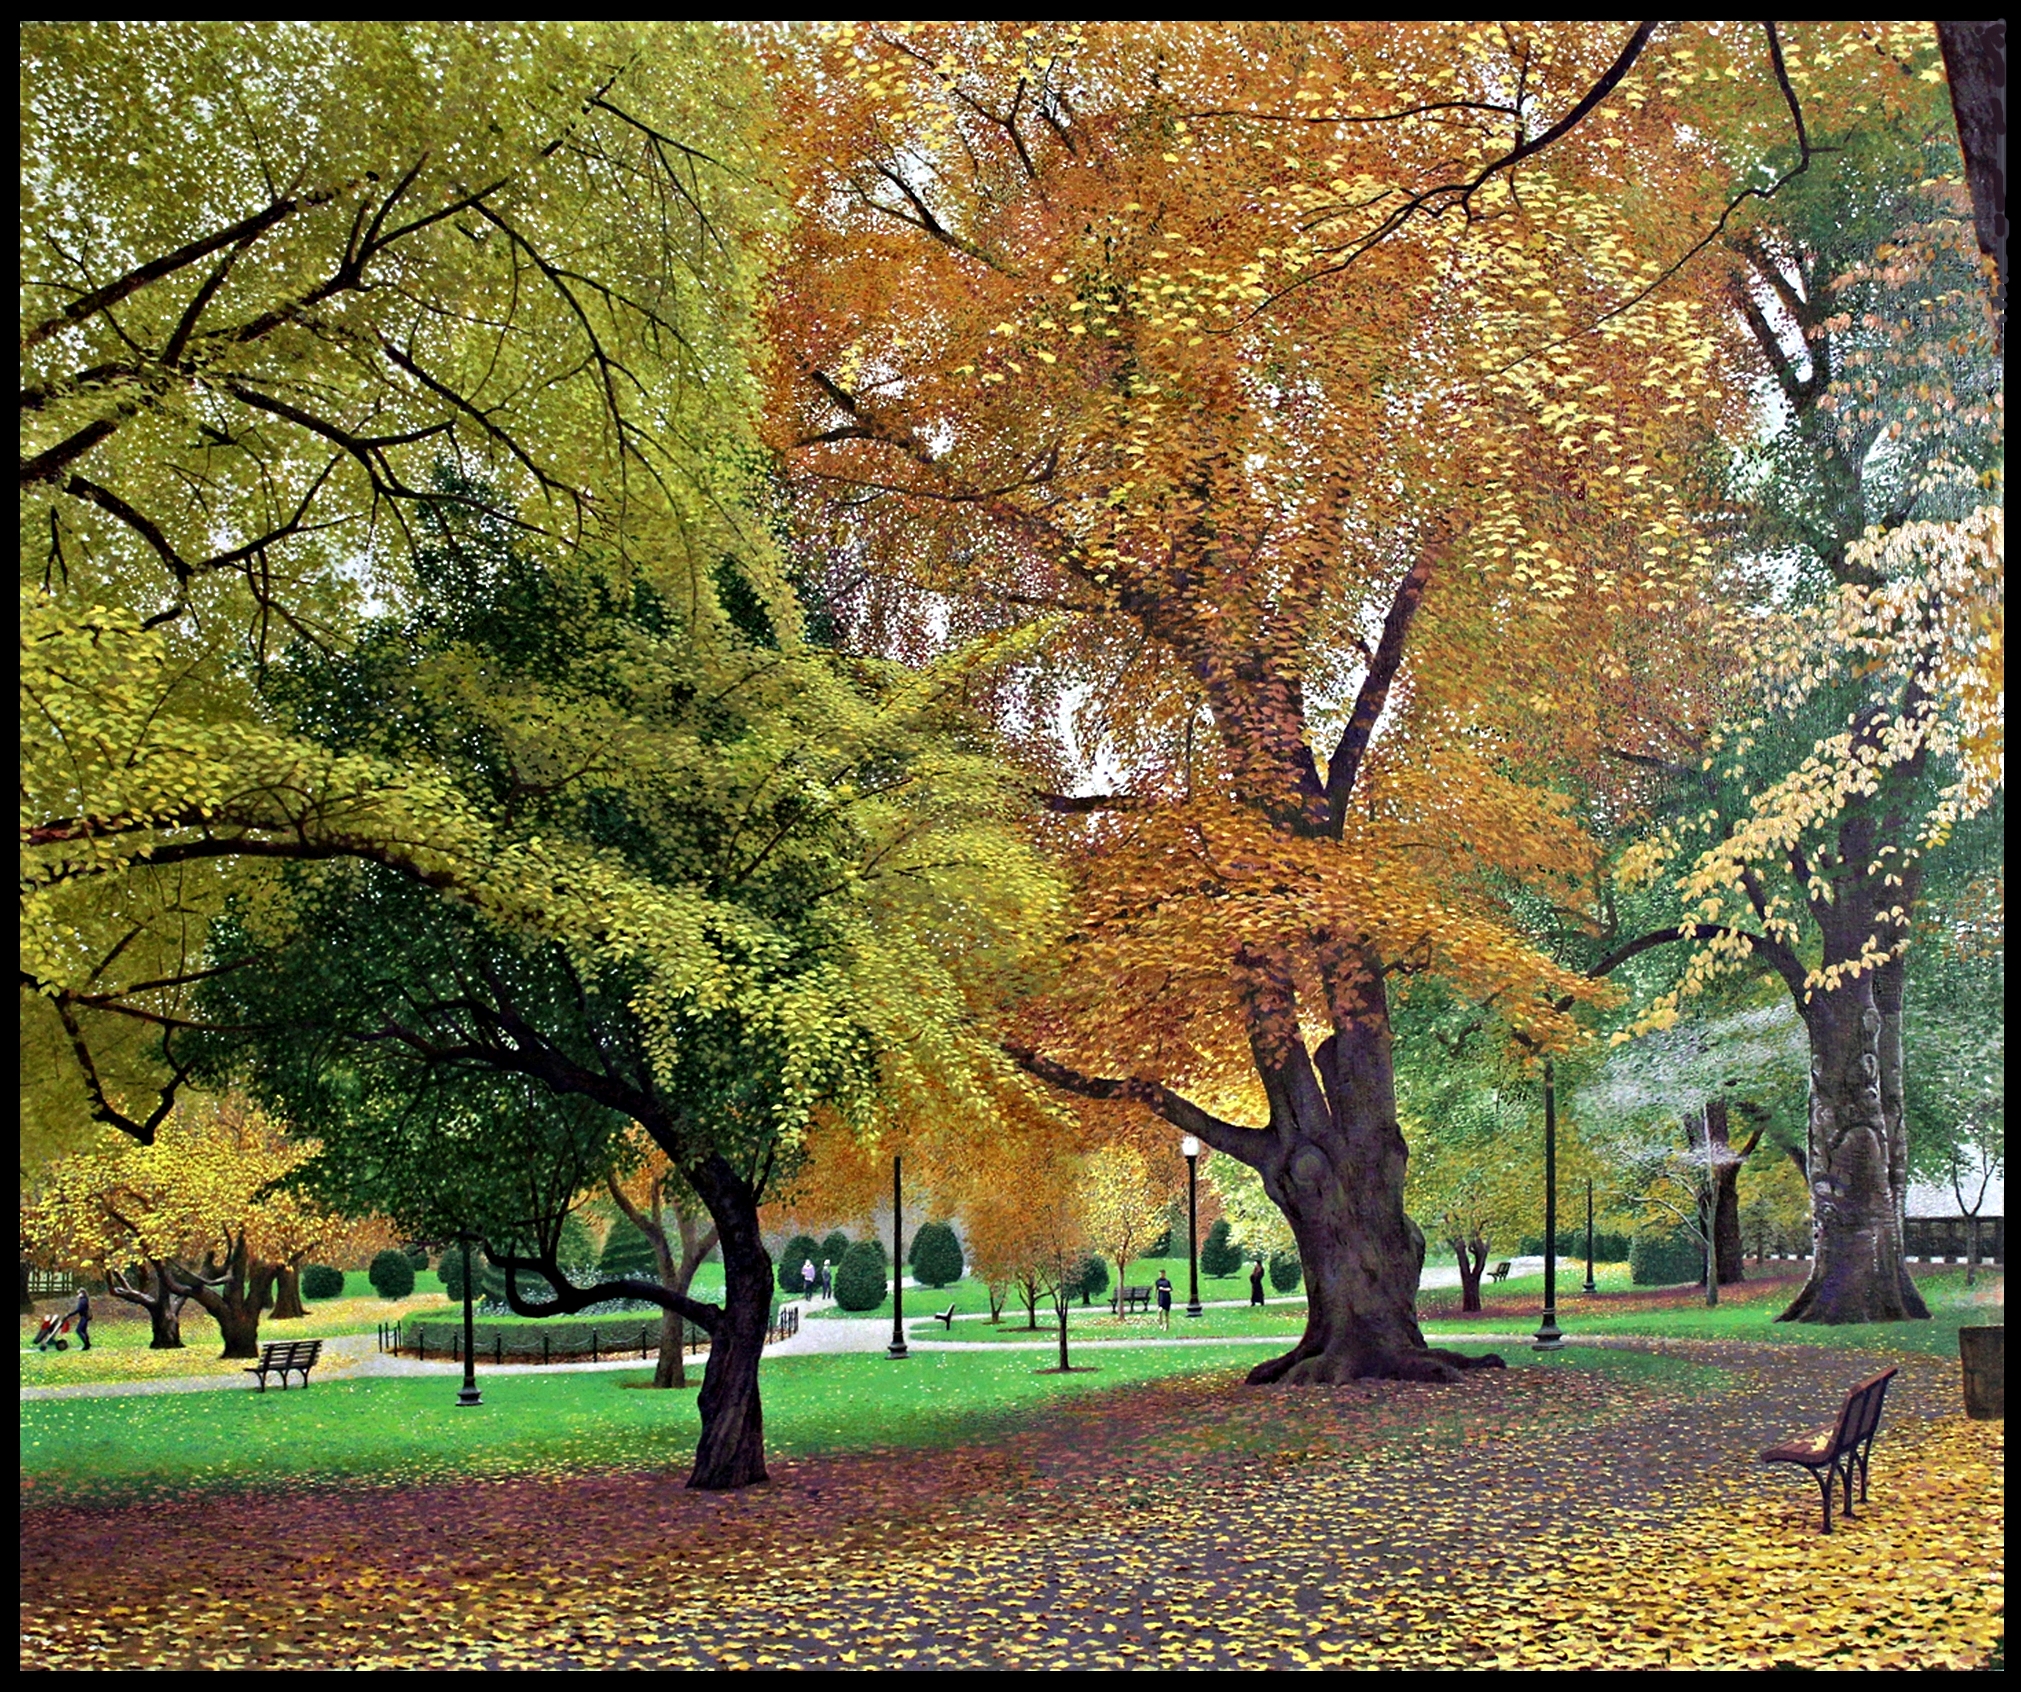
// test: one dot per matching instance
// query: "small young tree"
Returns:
(1220, 1256)
(1121, 1210)
(1060, 1240)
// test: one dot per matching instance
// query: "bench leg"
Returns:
(1825, 1478)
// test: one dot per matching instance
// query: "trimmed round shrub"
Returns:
(1285, 1271)
(391, 1275)
(319, 1280)
(1665, 1260)
(801, 1250)
(1220, 1257)
(860, 1280)
(627, 1251)
(1092, 1281)
(490, 1283)
(936, 1256)
(834, 1246)
(417, 1254)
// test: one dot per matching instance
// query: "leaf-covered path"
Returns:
(1572, 1513)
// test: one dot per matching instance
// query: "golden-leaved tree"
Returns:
(1324, 395)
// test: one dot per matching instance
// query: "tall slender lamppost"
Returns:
(1590, 1287)
(897, 1346)
(1190, 1149)
(1548, 1337)
(469, 1395)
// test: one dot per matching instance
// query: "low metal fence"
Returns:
(571, 1343)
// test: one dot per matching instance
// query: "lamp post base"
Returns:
(1195, 1310)
(1548, 1337)
(898, 1350)
(1590, 1287)
(468, 1397)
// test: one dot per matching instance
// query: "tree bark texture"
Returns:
(731, 1452)
(233, 1293)
(1725, 1162)
(288, 1292)
(1333, 1160)
(1473, 1258)
(160, 1298)
(1856, 1160)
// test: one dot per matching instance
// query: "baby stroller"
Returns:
(51, 1335)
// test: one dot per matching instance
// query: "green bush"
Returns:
(1665, 1260)
(1220, 1257)
(801, 1250)
(1092, 1281)
(321, 1281)
(1607, 1248)
(936, 1256)
(1285, 1271)
(490, 1282)
(860, 1280)
(391, 1275)
(627, 1251)
(834, 1246)
(417, 1254)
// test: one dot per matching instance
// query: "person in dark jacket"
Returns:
(83, 1314)
(1164, 1298)
(1256, 1282)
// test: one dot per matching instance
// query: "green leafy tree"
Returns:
(1220, 1256)
(392, 1274)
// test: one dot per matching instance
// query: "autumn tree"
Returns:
(1120, 1208)
(655, 1199)
(1342, 479)
(1864, 727)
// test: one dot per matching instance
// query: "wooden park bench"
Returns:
(1833, 1453)
(945, 1318)
(1129, 1299)
(282, 1356)
(1500, 1272)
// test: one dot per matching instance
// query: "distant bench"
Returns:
(1833, 1453)
(1129, 1299)
(1500, 1272)
(945, 1318)
(282, 1357)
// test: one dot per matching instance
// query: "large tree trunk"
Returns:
(288, 1292)
(1724, 1163)
(160, 1298)
(1333, 1161)
(731, 1452)
(233, 1293)
(27, 1303)
(1473, 1256)
(1858, 1273)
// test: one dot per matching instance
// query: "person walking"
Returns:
(1164, 1298)
(808, 1276)
(83, 1314)
(827, 1279)
(1256, 1283)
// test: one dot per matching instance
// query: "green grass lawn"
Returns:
(404, 1430)
(1745, 1312)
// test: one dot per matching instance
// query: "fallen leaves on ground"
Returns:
(1547, 1516)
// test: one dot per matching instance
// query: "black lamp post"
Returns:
(897, 1346)
(1590, 1287)
(1548, 1337)
(1190, 1149)
(469, 1396)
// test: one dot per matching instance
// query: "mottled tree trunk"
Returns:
(27, 1303)
(1473, 1258)
(288, 1292)
(1333, 1160)
(1857, 1172)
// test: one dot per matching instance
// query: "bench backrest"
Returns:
(277, 1353)
(1861, 1417)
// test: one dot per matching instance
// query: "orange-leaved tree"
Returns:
(1309, 392)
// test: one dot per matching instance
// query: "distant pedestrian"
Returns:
(1256, 1283)
(808, 1276)
(1164, 1298)
(827, 1279)
(83, 1314)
